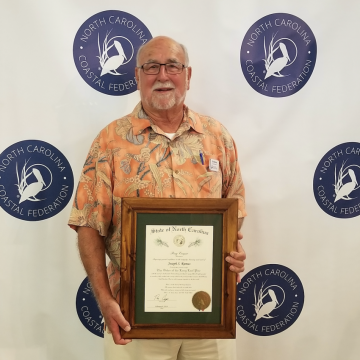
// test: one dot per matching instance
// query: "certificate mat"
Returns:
(175, 282)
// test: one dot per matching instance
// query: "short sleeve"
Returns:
(92, 206)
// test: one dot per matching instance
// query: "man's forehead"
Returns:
(162, 50)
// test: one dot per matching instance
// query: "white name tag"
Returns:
(214, 165)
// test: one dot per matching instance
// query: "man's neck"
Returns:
(167, 120)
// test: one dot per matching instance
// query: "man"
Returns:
(161, 149)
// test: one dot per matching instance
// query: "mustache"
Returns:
(167, 84)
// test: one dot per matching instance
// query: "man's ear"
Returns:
(137, 74)
(189, 72)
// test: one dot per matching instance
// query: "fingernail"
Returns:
(108, 330)
(128, 328)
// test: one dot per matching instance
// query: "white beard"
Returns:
(165, 100)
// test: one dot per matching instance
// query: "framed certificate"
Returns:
(175, 282)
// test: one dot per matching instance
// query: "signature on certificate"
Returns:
(161, 298)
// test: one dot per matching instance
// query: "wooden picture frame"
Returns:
(139, 214)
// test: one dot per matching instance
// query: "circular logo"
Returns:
(87, 309)
(179, 240)
(269, 300)
(278, 55)
(36, 180)
(336, 187)
(105, 48)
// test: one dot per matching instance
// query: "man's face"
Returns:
(162, 91)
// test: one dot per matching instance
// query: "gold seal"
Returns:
(201, 300)
(179, 240)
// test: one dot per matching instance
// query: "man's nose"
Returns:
(163, 75)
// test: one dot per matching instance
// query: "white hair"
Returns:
(181, 45)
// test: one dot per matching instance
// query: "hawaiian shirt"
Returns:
(132, 157)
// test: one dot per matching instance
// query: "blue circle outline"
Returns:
(67, 179)
(329, 183)
(258, 58)
(91, 48)
(247, 300)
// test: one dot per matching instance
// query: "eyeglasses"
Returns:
(154, 68)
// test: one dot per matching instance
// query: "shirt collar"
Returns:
(140, 121)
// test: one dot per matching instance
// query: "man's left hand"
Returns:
(236, 259)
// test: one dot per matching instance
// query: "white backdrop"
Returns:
(280, 142)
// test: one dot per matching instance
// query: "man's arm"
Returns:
(236, 259)
(92, 253)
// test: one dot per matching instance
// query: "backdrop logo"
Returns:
(269, 300)
(336, 181)
(105, 50)
(36, 180)
(278, 55)
(87, 309)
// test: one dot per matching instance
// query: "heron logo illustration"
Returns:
(29, 191)
(110, 64)
(87, 309)
(266, 301)
(105, 48)
(344, 190)
(270, 298)
(336, 181)
(278, 55)
(274, 65)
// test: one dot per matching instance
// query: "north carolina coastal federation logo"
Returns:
(88, 310)
(278, 55)
(336, 181)
(269, 300)
(36, 180)
(105, 48)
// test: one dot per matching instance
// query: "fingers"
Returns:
(240, 235)
(239, 255)
(238, 278)
(236, 266)
(241, 250)
(236, 260)
(115, 332)
(114, 319)
(121, 321)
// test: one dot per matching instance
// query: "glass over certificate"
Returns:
(175, 281)
(178, 268)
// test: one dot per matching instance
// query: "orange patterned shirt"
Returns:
(133, 157)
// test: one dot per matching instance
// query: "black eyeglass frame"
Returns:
(182, 69)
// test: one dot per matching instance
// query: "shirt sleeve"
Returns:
(92, 206)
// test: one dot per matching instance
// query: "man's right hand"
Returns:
(113, 319)
(92, 253)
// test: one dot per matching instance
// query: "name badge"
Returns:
(214, 165)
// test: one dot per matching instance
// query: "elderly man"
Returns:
(161, 149)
